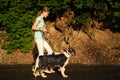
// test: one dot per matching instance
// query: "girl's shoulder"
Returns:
(39, 18)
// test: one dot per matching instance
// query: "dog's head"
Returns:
(71, 51)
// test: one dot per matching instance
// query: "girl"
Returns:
(39, 29)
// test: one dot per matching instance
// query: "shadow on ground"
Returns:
(75, 72)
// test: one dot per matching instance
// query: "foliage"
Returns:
(108, 13)
(17, 17)
(116, 47)
(117, 55)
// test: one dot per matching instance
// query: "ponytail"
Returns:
(39, 13)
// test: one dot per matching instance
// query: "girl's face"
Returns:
(45, 14)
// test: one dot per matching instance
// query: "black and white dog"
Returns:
(55, 60)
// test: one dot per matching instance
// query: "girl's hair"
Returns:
(44, 9)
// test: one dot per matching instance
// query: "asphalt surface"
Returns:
(74, 71)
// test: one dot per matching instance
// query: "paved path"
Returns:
(75, 72)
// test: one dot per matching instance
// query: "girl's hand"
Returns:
(44, 29)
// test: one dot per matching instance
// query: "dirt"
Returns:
(15, 58)
(98, 51)
(74, 72)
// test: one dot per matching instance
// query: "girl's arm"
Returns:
(34, 27)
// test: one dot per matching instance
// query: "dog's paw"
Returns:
(47, 71)
(43, 75)
(36, 74)
(33, 68)
(52, 71)
(65, 76)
